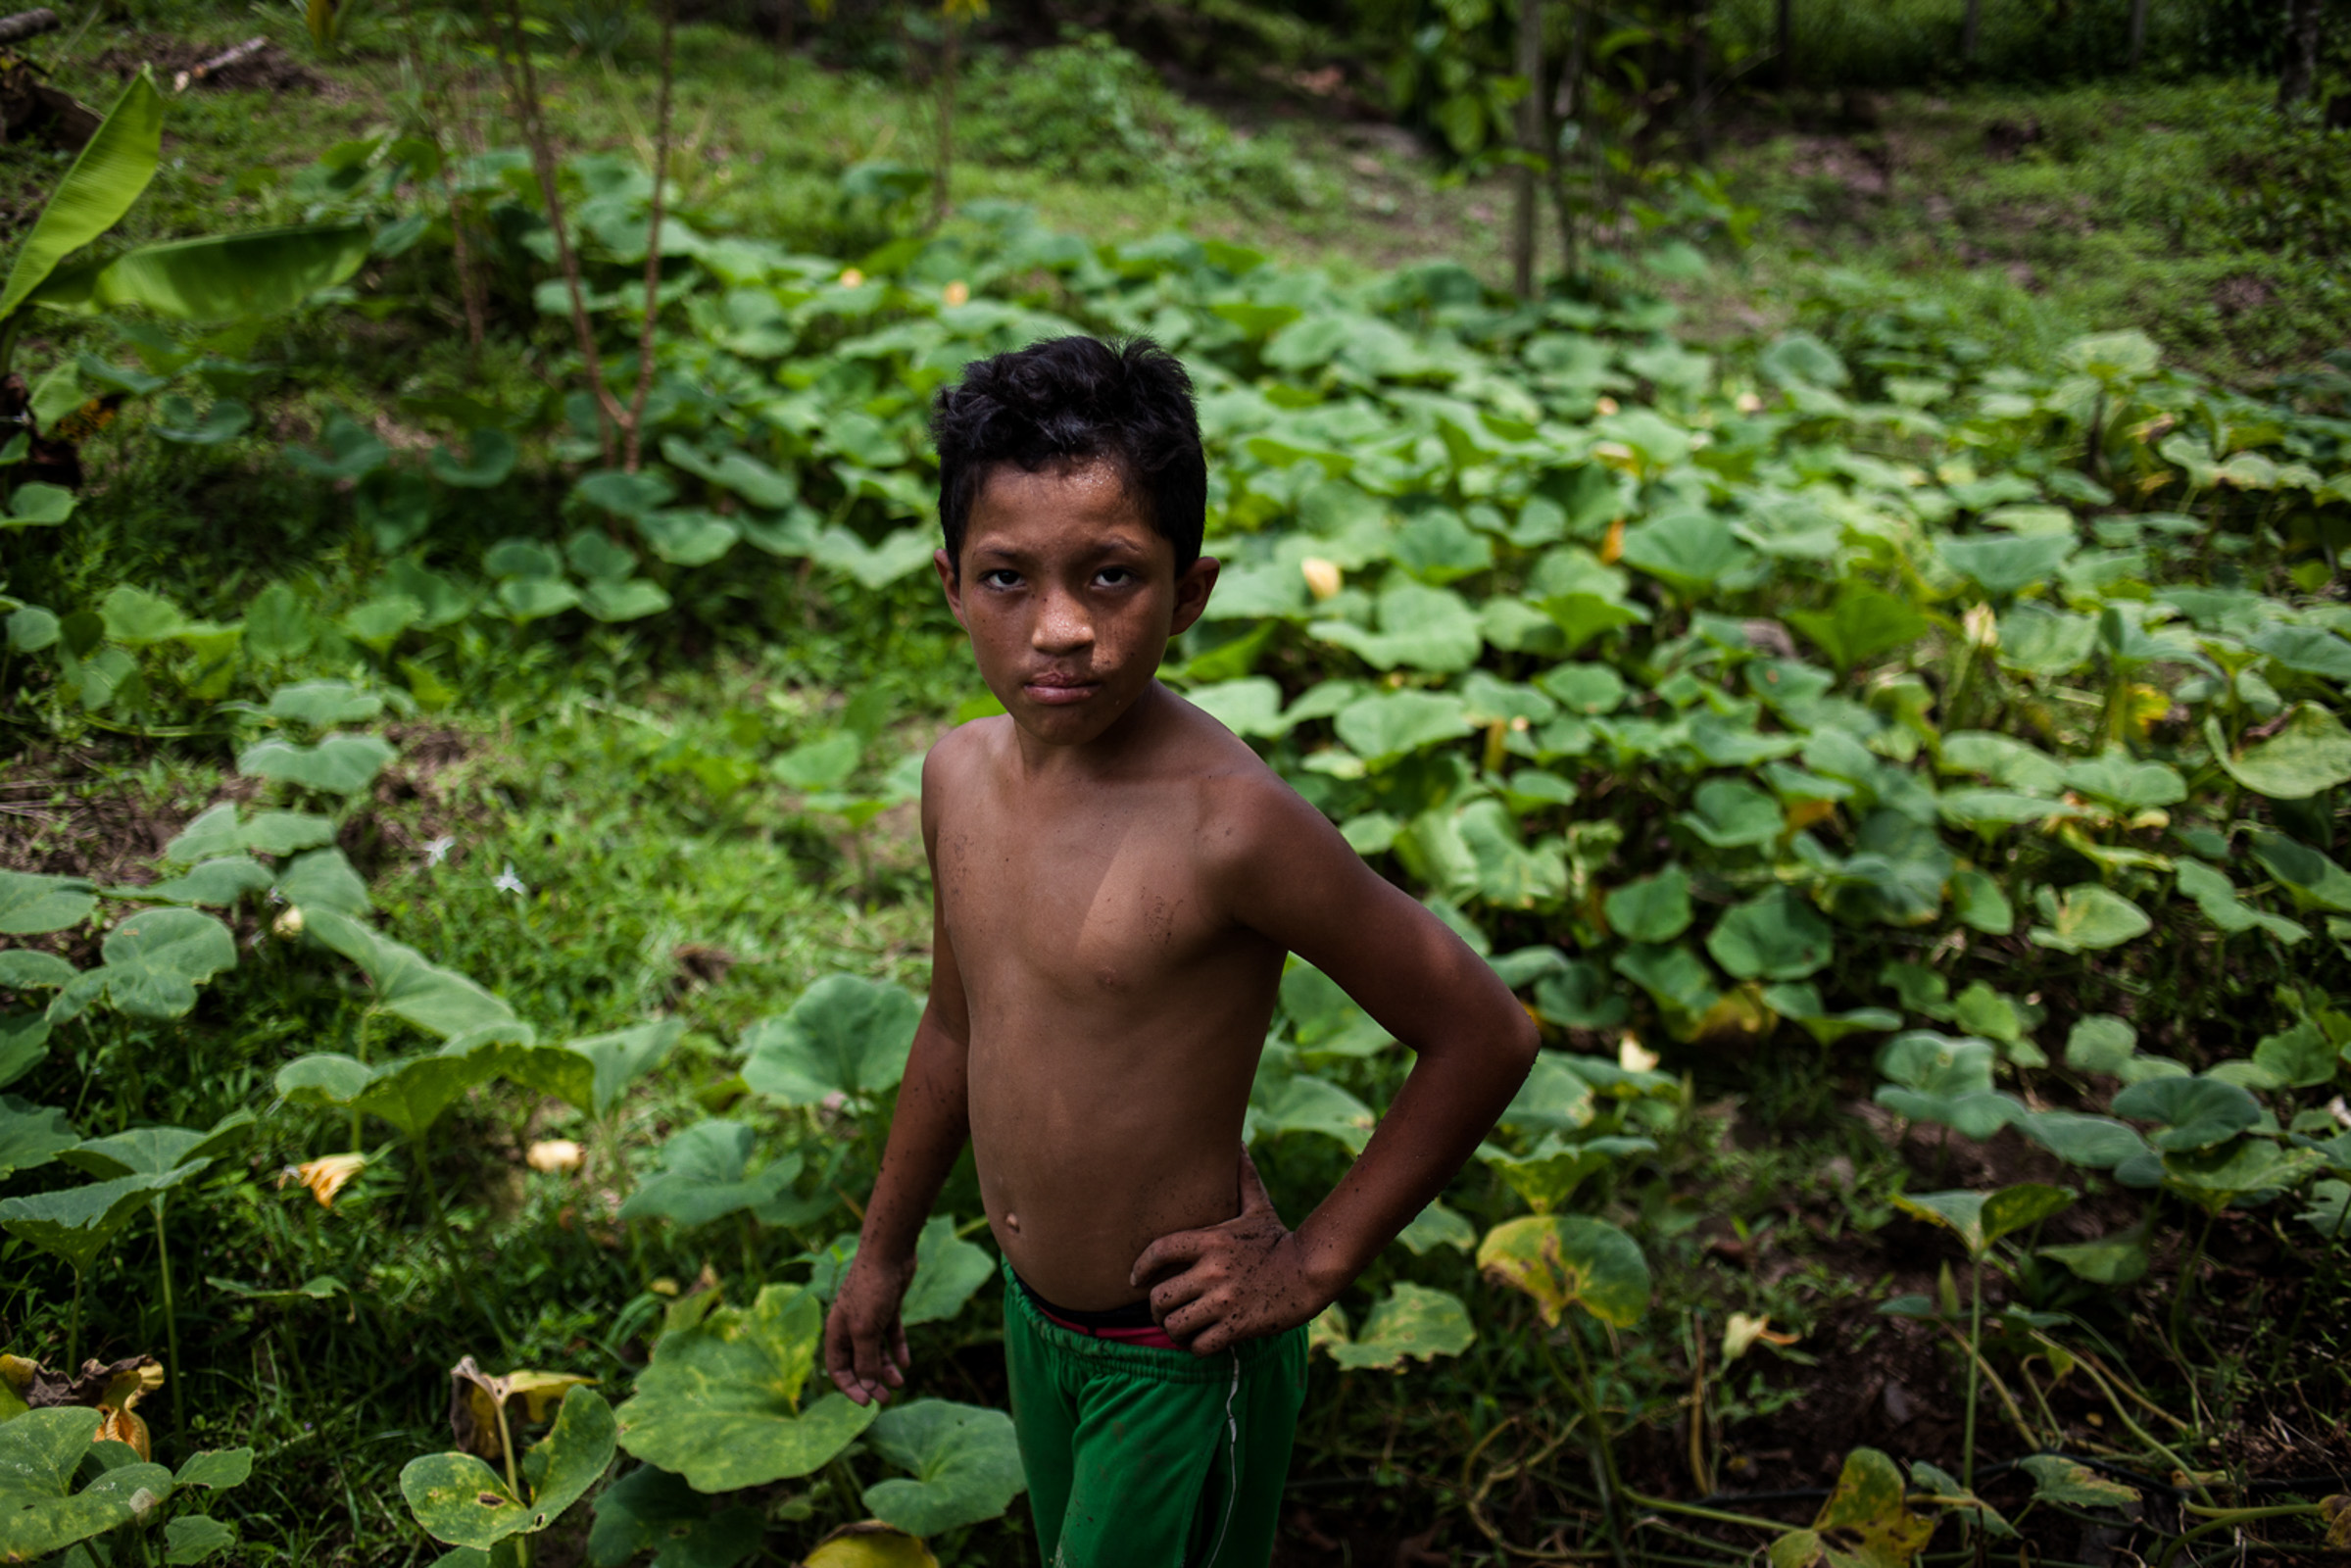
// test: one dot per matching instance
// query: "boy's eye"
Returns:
(1000, 577)
(1114, 576)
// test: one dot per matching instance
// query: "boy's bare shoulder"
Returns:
(1244, 808)
(953, 755)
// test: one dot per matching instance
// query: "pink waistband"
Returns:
(1150, 1333)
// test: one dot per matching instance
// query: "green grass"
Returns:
(2116, 207)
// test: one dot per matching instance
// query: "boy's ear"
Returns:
(951, 583)
(1191, 591)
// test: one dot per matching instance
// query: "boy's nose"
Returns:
(1061, 624)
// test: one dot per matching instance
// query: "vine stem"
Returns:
(2187, 1277)
(2224, 1518)
(162, 1259)
(74, 1328)
(1974, 1360)
(1603, 1461)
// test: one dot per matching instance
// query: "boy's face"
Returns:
(1070, 595)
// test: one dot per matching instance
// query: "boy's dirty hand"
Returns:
(865, 1340)
(1236, 1281)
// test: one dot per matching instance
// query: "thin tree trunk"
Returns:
(635, 435)
(1787, 38)
(1570, 105)
(2139, 32)
(2301, 69)
(1968, 30)
(1699, 130)
(947, 118)
(783, 27)
(1530, 143)
(522, 86)
(437, 115)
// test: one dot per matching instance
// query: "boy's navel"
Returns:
(1012, 1222)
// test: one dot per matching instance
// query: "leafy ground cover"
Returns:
(1902, 779)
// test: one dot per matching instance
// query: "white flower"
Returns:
(437, 850)
(508, 882)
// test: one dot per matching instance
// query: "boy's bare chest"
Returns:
(1105, 899)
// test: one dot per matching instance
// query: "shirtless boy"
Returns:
(1117, 882)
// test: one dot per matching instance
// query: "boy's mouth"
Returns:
(1056, 690)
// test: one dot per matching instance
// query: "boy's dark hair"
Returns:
(1074, 399)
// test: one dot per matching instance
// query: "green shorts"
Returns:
(1138, 1457)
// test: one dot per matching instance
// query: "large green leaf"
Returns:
(156, 1150)
(1947, 1080)
(217, 883)
(2089, 918)
(409, 986)
(1392, 724)
(219, 278)
(461, 1500)
(2120, 1259)
(339, 765)
(414, 1094)
(2314, 879)
(1774, 936)
(106, 177)
(24, 1039)
(1655, 909)
(33, 904)
(2310, 752)
(720, 1404)
(1729, 814)
(2002, 564)
(1413, 1321)
(1866, 1523)
(40, 1452)
(1284, 1103)
(2192, 1112)
(625, 1056)
(31, 1136)
(154, 963)
(1861, 624)
(948, 1271)
(1563, 1261)
(1688, 550)
(1420, 628)
(964, 1460)
(650, 1509)
(844, 1036)
(703, 1177)
(76, 1223)
(2097, 1143)
(324, 704)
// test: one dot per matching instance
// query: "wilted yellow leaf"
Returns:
(1630, 1057)
(2338, 1511)
(553, 1154)
(1323, 577)
(324, 1176)
(475, 1396)
(1742, 1332)
(957, 292)
(1614, 545)
(851, 278)
(130, 1382)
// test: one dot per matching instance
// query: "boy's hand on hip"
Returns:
(1240, 1280)
(865, 1340)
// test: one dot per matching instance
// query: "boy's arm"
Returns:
(864, 1342)
(1286, 873)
